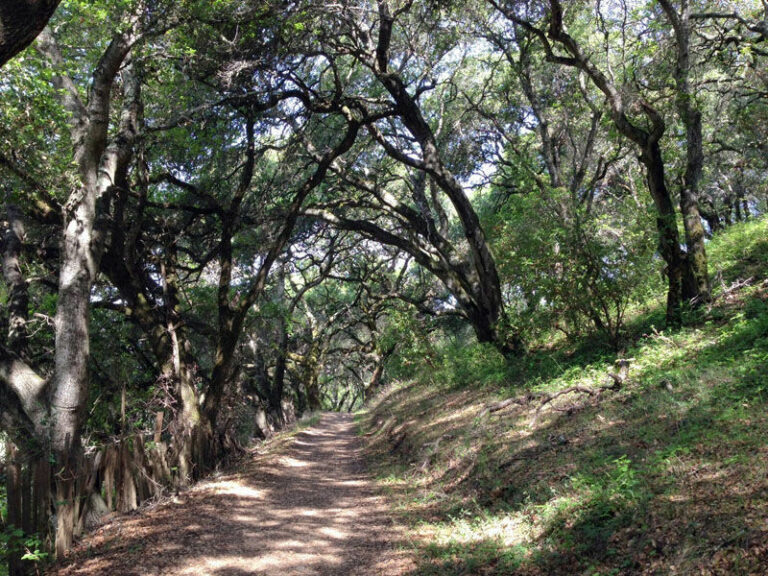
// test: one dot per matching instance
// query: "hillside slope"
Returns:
(664, 472)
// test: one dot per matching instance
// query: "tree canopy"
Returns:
(219, 214)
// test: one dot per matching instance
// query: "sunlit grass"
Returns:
(667, 473)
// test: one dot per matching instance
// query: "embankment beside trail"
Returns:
(567, 471)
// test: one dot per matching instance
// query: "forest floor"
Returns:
(544, 468)
(303, 504)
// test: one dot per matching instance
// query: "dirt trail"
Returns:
(307, 508)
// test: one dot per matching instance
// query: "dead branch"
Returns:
(737, 285)
(504, 403)
(618, 379)
(659, 336)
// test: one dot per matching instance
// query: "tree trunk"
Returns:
(378, 372)
(338, 404)
(696, 285)
(311, 383)
(301, 398)
(20, 23)
(28, 482)
(18, 300)
(697, 269)
(645, 136)
(277, 386)
(41, 498)
(222, 367)
(482, 279)
(70, 379)
(666, 224)
(101, 163)
(192, 438)
(709, 213)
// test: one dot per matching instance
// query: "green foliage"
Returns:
(115, 366)
(453, 361)
(659, 472)
(28, 547)
(574, 267)
(460, 559)
(464, 365)
(742, 252)
(607, 501)
(579, 261)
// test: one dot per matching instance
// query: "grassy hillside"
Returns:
(665, 474)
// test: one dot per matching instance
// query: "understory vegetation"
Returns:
(664, 473)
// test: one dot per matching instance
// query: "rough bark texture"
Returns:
(378, 372)
(28, 480)
(277, 387)
(310, 370)
(696, 288)
(20, 23)
(18, 300)
(100, 163)
(666, 224)
(71, 363)
(23, 410)
(190, 436)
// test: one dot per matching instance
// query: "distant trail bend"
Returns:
(308, 508)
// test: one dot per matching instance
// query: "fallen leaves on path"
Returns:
(308, 508)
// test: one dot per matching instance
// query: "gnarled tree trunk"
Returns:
(666, 224)
(696, 286)
(100, 164)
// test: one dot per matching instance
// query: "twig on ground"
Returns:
(737, 285)
(659, 336)
(618, 379)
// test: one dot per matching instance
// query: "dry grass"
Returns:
(666, 475)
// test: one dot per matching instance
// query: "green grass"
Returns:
(308, 420)
(666, 475)
(740, 252)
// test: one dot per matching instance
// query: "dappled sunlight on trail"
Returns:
(310, 509)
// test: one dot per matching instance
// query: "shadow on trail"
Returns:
(310, 509)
